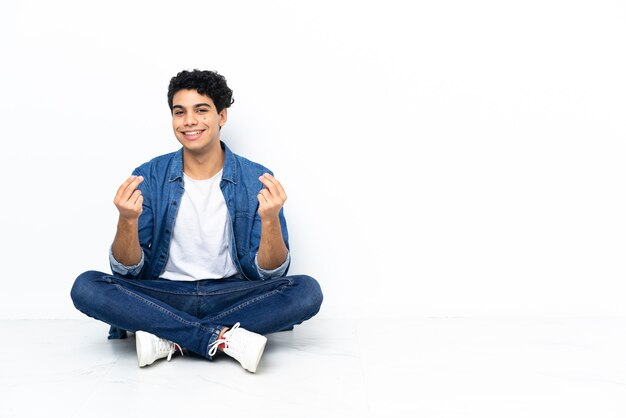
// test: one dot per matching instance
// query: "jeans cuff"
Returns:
(214, 336)
(117, 333)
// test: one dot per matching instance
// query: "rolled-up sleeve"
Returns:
(277, 272)
(119, 268)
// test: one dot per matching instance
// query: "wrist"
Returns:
(127, 222)
(270, 221)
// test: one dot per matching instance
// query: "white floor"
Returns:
(345, 368)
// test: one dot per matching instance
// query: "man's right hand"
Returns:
(128, 199)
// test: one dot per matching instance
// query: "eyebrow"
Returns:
(195, 106)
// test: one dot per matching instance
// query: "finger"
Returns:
(131, 188)
(269, 186)
(135, 183)
(262, 202)
(139, 201)
(273, 185)
(267, 177)
(135, 197)
(264, 196)
(278, 189)
(123, 187)
(127, 188)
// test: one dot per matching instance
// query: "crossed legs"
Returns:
(195, 314)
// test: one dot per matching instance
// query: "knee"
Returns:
(84, 291)
(311, 296)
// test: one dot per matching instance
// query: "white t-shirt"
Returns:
(199, 248)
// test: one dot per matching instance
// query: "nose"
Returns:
(190, 119)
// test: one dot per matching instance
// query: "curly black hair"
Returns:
(208, 83)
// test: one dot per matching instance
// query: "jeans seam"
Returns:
(142, 286)
(197, 297)
(243, 305)
(238, 289)
(163, 310)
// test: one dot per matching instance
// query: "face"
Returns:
(196, 122)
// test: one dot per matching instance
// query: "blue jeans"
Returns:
(193, 314)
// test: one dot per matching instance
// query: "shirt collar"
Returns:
(229, 173)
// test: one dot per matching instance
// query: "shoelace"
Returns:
(214, 346)
(169, 347)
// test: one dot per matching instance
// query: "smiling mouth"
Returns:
(191, 135)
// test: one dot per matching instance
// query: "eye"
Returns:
(178, 113)
(202, 110)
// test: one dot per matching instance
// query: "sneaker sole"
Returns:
(258, 359)
(141, 355)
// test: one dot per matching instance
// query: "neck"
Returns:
(203, 166)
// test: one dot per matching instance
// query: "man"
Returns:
(201, 252)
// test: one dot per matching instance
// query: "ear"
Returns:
(223, 117)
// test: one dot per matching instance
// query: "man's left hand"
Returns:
(271, 198)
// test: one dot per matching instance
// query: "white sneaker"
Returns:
(151, 348)
(244, 346)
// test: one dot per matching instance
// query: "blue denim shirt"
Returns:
(162, 189)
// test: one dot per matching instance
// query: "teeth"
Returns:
(192, 133)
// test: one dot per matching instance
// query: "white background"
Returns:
(446, 158)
